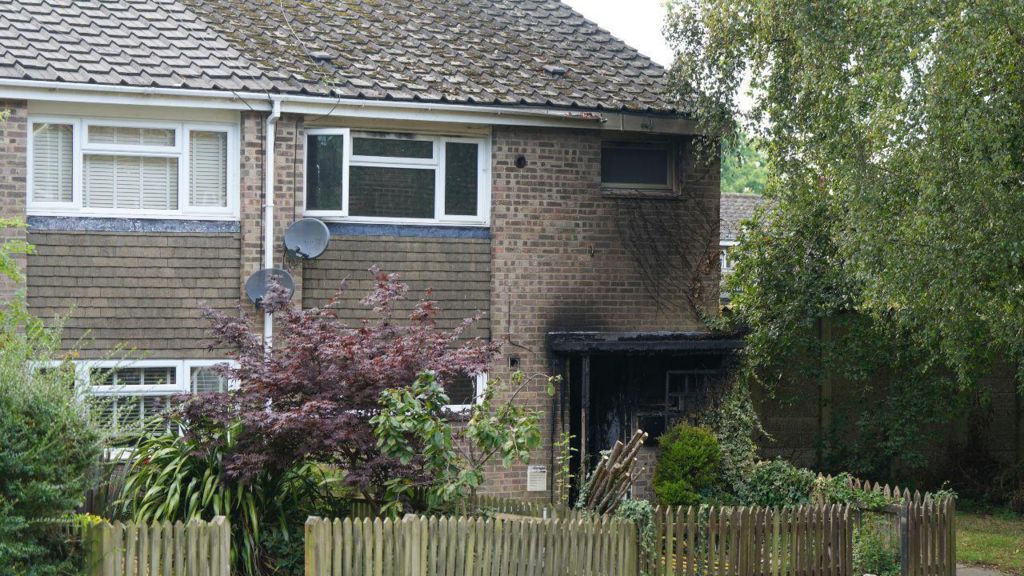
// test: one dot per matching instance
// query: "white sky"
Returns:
(635, 22)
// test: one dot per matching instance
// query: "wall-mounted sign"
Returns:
(536, 478)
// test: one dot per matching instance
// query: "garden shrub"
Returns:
(871, 553)
(175, 477)
(689, 465)
(778, 483)
(735, 423)
(48, 447)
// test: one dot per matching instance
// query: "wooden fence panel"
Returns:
(158, 549)
(471, 546)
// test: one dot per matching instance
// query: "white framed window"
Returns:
(128, 394)
(133, 168)
(466, 391)
(390, 178)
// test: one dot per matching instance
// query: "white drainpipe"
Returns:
(268, 206)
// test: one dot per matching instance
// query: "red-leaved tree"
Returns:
(312, 395)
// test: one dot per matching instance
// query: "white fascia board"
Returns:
(343, 107)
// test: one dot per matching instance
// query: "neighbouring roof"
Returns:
(736, 208)
(503, 52)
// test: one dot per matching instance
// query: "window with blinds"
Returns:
(52, 162)
(129, 400)
(116, 167)
(208, 167)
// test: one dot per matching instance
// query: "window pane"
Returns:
(635, 165)
(51, 162)
(461, 391)
(130, 182)
(392, 147)
(394, 192)
(325, 157)
(460, 179)
(206, 380)
(208, 168)
(161, 376)
(125, 135)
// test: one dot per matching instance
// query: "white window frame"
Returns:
(724, 247)
(437, 163)
(180, 150)
(480, 386)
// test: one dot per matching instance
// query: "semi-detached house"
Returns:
(509, 154)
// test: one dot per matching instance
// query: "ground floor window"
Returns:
(129, 396)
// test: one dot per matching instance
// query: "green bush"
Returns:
(175, 477)
(48, 446)
(871, 553)
(778, 483)
(689, 466)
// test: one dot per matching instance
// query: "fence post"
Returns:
(905, 538)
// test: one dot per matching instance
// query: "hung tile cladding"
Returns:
(488, 150)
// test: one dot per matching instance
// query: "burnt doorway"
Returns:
(612, 387)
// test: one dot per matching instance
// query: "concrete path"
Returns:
(962, 570)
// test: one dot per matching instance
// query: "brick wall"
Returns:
(13, 171)
(251, 201)
(561, 261)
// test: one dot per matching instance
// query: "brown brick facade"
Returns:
(13, 173)
(560, 260)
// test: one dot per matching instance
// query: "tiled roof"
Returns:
(504, 52)
(736, 208)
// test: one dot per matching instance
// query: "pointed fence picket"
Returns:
(158, 549)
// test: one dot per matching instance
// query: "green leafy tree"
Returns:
(415, 427)
(894, 135)
(744, 166)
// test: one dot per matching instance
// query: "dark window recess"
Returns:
(325, 161)
(461, 390)
(392, 148)
(653, 424)
(645, 166)
(460, 179)
(391, 192)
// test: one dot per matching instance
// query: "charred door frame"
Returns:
(571, 354)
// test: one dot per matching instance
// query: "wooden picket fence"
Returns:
(159, 549)
(470, 546)
(808, 540)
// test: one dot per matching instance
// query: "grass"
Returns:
(994, 539)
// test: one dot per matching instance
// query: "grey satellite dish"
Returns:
(258, 284)
(307, 238)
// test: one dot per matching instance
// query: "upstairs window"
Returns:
(122, 168)
(637, 166)
(396, 178)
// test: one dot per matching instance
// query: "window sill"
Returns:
(396, 221)
(132, 214)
